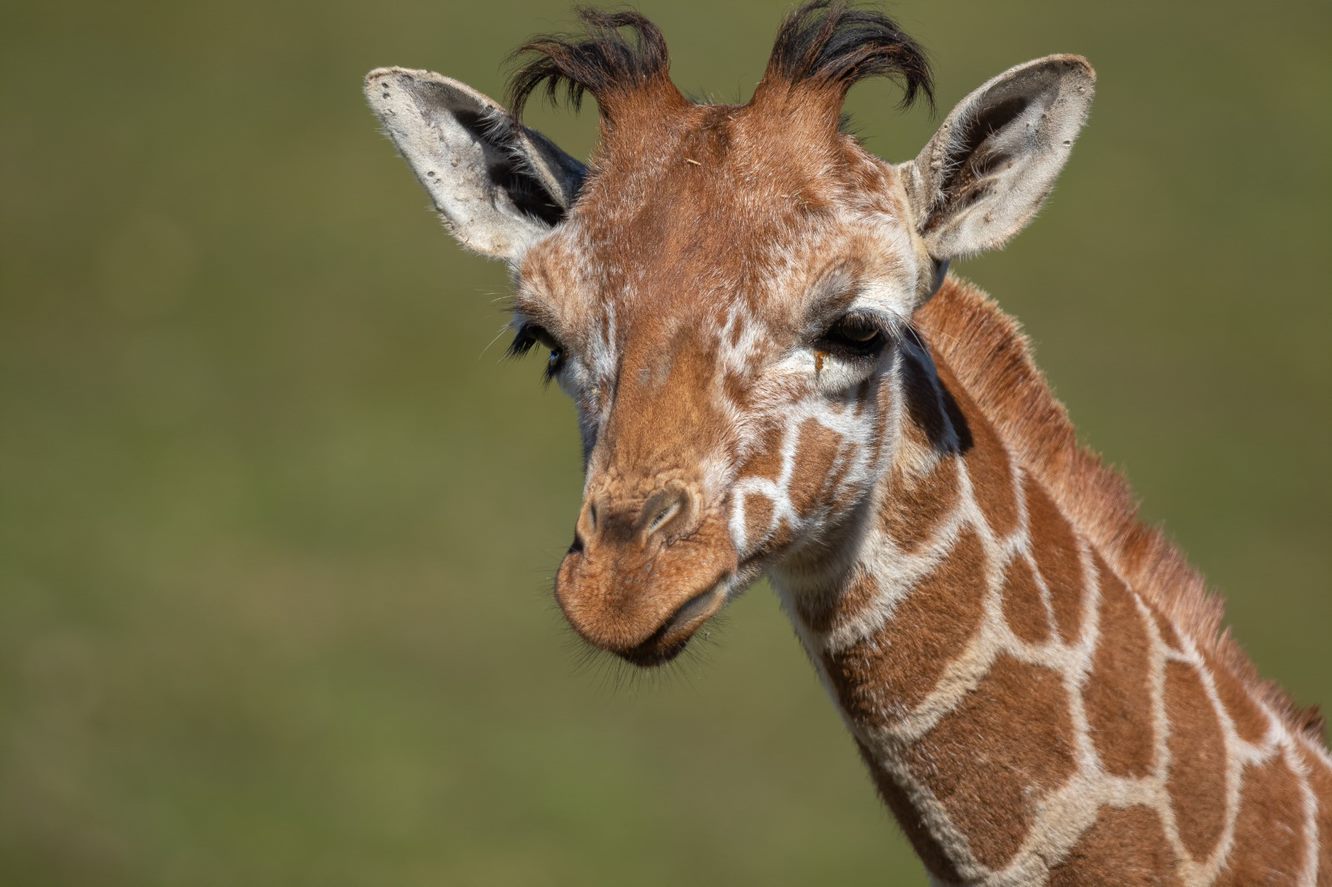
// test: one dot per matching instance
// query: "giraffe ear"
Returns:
(994, 160)
(497, 184)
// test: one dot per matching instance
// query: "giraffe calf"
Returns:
(775, 375)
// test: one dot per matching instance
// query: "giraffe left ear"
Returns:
(994, 160)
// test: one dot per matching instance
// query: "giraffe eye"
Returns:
(554, 362)
(529, 336)
(852, 336)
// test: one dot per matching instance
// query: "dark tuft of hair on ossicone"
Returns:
(830, 44)
(603, 61)
(621, 59)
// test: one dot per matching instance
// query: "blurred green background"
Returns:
(277, 526)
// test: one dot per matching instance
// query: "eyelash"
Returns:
(841, 337)
(529, 336)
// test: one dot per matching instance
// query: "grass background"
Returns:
(276, 527)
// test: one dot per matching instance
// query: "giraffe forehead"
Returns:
(712, 242)
(719, 195)
(675, 266)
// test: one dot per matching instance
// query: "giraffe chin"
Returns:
(644, 629)
(673, 636)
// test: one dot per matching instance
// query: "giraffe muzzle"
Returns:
(643, 599)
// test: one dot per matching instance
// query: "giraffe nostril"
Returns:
(666, 515)
(585, 529)
(663, 516)
(664, 509)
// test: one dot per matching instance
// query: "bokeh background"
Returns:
(277, 523)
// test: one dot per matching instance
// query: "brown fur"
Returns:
(1320, 779)
(1269, 834)
(1251, 723)
(1168, 635)
(894, 669)
(1056, 552)
(1118, 693)
(917, 832)
(758, 515)
(1126, 846)
(991, 357)
(825, 612)
(1023, 712)
(1024, 611)
(1197, 778)
(924, 502)
(819, 446)
(766, 463)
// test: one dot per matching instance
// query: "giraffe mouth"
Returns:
(671, 638)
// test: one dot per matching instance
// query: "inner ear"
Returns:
(992, 163)
(966, 182)
(508, 170)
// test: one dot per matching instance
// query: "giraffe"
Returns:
(775, 375)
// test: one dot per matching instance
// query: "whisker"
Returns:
(491, 344)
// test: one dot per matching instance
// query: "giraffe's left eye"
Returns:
(532, 334)
(852, 335)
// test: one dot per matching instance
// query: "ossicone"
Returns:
(621, 59)
(824, 47)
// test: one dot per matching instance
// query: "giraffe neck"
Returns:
(1026, 716)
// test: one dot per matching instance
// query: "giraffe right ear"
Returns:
(994, 160)
(497, 184)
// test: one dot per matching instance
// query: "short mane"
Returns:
(991, 357)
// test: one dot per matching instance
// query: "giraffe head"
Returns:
(725, 290)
